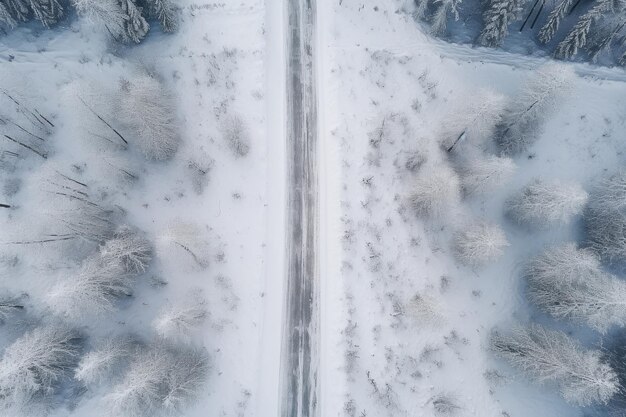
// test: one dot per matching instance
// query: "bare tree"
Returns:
(149, 109)
(97, 365)
(34, 365)
(542, 203)
(525, 116)
(479, 244)
(128, 247)
(481, 175)
(179, 321)
(435, 192)
(549, 356)
(160, 379)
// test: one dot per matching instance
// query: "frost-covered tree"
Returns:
(579, 34)
(525, 116)
(547, 31)
(480, 175)
(479, 244)
(94, 289)
(435, 192)
(475, 122)
(164, 11)
(564, 264)
(98, 364)
(128, 247)
(149, 109)
(120, 18)
(439, 19)
(34, 365)
(179, 321)
(497, 16)
(6, 20)
(18, 9)
(159, 380)
(48, 12)
(605, 218)
(542, 203)
(549, 356)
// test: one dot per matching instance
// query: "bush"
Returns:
(177, 322)
(480, 244)
(236, 135)
(582, 377)
(542, 203)
(436, 191)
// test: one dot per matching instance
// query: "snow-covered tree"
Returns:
(439, 19)
(179, 321)
(497, 16)
(160, 379)
(547, 31)
(481, 175)
(164, 11)
(474, 122)
(6, 20)
(435, 192)
(579, 34)
(564, 264)
(98, 364)
(479, 244)
(95, 288)
(34, 365)
(542, 203)
(48, 12)
(18, 9)
(120, 18)
(549, 356)
(525, 116)
(149, 110)
(605, 218)
(128, 247)
(135, 26)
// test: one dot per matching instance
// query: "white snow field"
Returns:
(408, 296)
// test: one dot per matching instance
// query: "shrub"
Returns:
(436, 191)
(236, 135)
(177, 322)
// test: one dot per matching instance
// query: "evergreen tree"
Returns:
(6, 20)
(164, 11)
(439, 19)
(135, 26)
(18, 9)
(497, 17)
(554, 20)
(48, 12)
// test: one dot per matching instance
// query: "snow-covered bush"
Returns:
(541, 203)
(549, 356)
(97, 365)
(130, 248)
(479, 244)
(424, 310)
(497, 16)
(605, 218)
(475, 121)
(199, 166)
(236, 135)
(159, 380)
(34, 365)
(179, 321)
(526, 114)
(435, 192)
(149, 110)
(481, 175)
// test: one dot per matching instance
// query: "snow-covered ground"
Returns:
(389, 93)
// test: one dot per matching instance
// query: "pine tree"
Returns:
(48, 12)
(497, 18)
(135, 26)
(554, 20)
(578, 36)
(549, 356)
(107, 14)
(164, 11)
(18, 9)
(439, 19)
(6, 20)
